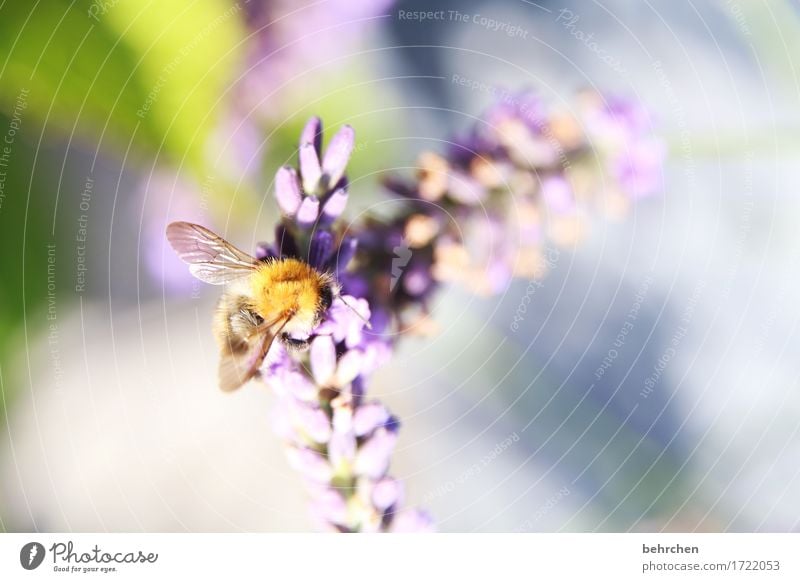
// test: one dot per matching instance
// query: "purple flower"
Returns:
(320, 182)
(345, 321)
(311, 200)
(310, 463)
(639, 170)
(329, 509)
(479, 214)
(368, 417)
(328, 369)
(523, 176)
(374, 455)
(337, 439)
(386, 493)
(557, 194)
(285, 37)
(165, 198)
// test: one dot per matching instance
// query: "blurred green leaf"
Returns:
(121, 72)
(25, 235)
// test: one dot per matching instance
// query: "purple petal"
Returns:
(349, 367)
(557, 194)
(347, 249)
(630, 118)
(323, 359)
(353, 284)
(335, 205)
(386, 493)
(374, 455)
(358, 389)
(310, 463)
(639, 168)
(360, 305)
(287, 191)
(312, 421)
(308, 212)
(337, 154)
(320, 249)
(412, 521)
(343, 323)
(310, 170)
(356, 321)
(281, 372)
(417, 280)
(499, 274)
(368, 417)
(342, 413)
(379, 318)
(342, 448)
(312, 133)
(377, 353)
(329, 505)
(298, 385)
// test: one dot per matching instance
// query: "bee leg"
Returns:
(244, 322)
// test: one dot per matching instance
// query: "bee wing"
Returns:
(238, 363)
(210, 257)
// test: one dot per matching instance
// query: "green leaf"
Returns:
(122, 73)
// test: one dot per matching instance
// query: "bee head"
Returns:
(328, 289)
(326, 295)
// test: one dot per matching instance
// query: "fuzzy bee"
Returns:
(263, 300)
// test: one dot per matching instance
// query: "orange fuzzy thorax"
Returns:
(287, 287)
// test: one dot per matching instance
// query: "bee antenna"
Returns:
(367, 324)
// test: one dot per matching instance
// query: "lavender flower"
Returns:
(524, 176)
(338, 439)
(285, 37)
(480, 214)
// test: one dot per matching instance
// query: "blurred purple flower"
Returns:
(557, 194)
(167, 197)
(285, 38)
(523, 176)
(639, 170)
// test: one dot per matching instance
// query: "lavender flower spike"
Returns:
(340, 442)
(524, 177)
(337, 439)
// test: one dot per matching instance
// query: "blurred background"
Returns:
(118, 117)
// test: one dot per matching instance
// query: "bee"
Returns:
(282, 299)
